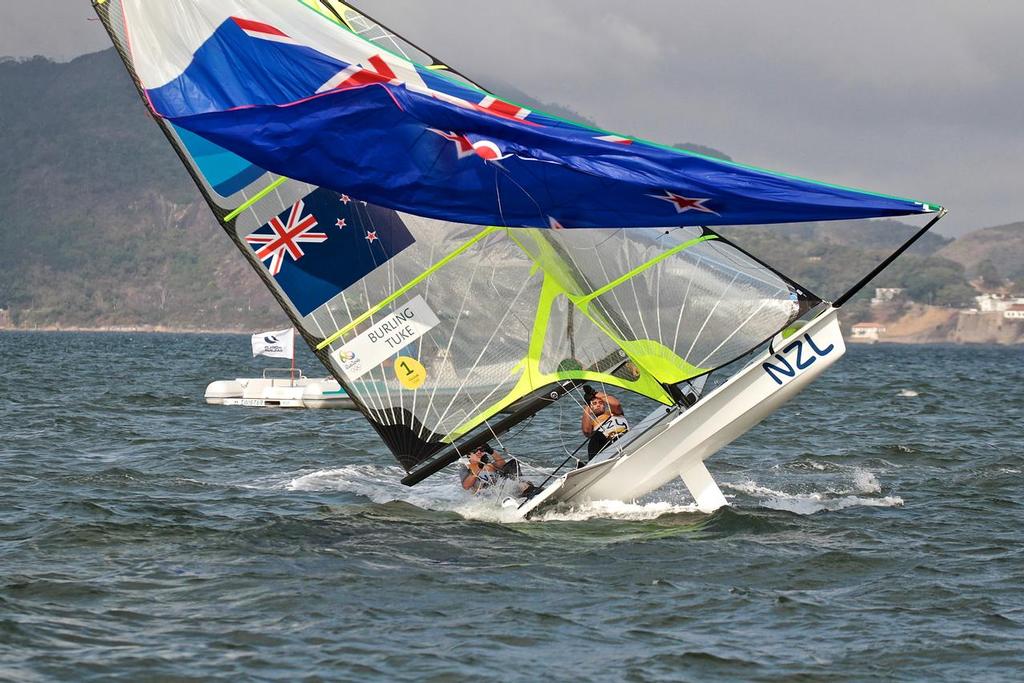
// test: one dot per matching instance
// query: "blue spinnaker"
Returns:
(430, 146)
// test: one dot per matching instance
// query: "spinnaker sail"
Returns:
(448, 254)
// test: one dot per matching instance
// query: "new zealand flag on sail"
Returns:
(326, 242)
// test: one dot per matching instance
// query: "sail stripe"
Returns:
(399, 292)
(255, 198)
(644, 266)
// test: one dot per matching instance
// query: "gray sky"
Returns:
(918, 98)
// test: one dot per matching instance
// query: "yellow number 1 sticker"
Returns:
(410, 372)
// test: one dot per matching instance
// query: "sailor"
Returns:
(603, 420)
(487, 467)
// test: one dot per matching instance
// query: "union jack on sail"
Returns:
(285, 238)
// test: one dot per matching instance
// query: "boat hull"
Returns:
(678, 444)
(270, 392)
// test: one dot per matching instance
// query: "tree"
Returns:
(989, 274)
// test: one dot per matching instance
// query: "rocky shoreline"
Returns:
(919, 324)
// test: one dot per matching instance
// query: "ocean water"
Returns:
(875, 532)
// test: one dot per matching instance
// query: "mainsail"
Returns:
(448, 254)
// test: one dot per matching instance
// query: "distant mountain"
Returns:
(102, 226)
(702, 149)
(1002, 246)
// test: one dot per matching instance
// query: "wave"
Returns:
(864, 483)
(380, 485)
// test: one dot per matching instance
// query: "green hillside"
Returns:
(101, 223)
(1001, 247)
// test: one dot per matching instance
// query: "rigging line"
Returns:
(511, 178)
(366, 219)
(434, 59)
(586, 299)
(579, 404)
(497, 438)
(564, 462)
(526, 423)
(561, 421)
(782, 276)
(657, 296)
(423, 339)
(636, 298)
(744, 265)
(725, 341)
(412, 283)
(711, 315)
(367, 28)
(486, 346)
(885, 264)
(595, 246)
(280, 200)
(448, 348)
(364, 391)
(607, 310)
(647, 265)
(373, 381)
(330, 314)
(497, 196)
(686, 298)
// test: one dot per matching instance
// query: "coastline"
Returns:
(132, 329)
(939, 334)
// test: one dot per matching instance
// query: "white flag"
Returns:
(278, 344)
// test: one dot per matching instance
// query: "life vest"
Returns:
(613, 426)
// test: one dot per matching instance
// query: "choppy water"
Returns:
(875, 532)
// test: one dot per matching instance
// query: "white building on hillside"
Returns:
(1014, 312)
(884, 295)
(866, 332)
(995, 303)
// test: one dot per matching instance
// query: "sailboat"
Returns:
(451, 256)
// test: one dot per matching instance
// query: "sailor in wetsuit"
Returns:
(487, 467)
(603, 420)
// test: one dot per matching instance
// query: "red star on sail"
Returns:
(371, 236)
(340, 223)
(684, 203)
(344, 199)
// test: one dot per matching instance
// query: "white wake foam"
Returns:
(831, 499)
(615, 509)
(907, 393)
(381, 485)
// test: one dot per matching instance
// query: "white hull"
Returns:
(680, 441)
(273, 392)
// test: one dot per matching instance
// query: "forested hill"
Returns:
(102, 226)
